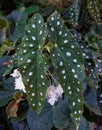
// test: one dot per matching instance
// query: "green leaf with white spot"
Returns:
(68, 60)
(94, 10)
(31, 63)
(74, 12)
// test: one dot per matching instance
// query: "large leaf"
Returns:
(94, 9)
(17, 23)
(90, 96)
(42, 122)
(6, 91)
(67, 58)
(61, 115)
(31, 63)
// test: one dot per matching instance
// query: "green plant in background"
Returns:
(51, 65)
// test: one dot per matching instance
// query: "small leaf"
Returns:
(74, 12)
(3, 23)
(32, 9)
(6, 46)
(4, 70)
(99, 95)
(67, 58)
(31, 63)
(94, 37)
(18, 96)
(94, 10)
(12, 109)
(21, 113)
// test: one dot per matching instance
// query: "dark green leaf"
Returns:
(6, 91)
(88, 58)
(84, 125)
(67, 58)
(31, 63)
(42, 122)
(20, 125)
(94, 10)
(72, 125)
(3, 23)
(17, 23)
(32, 9)
(94, 37)
(90, 96)
(99, 95)
(2, 38)
(61, 114)
(74, 12)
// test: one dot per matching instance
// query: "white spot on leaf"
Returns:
(29, 61)
(33, 25)
(68, 53)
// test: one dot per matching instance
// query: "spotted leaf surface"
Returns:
(88, 59)
(67, 58)
(31, 63)
(74, 12)
(94, 10)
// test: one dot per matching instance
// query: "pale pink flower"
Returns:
(53, 93)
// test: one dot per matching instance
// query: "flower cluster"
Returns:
(53, 93)
(18, 80)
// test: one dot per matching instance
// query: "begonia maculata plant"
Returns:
(51, 62)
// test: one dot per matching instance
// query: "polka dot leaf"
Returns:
(68, 60)
(74, 11)
(94, 10)
(31, 64)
